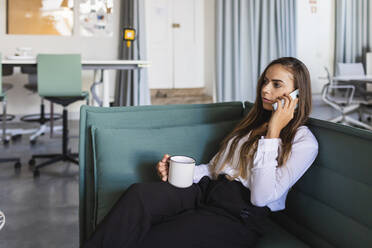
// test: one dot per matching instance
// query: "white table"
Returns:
(361, 78)
(96, 65)
(358, 79)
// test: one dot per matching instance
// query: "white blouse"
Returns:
(269, 184)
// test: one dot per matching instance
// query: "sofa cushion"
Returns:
(136, 117)
(125, 156)
(277, 237)
(331, 204)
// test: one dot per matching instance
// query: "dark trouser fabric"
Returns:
(212, 213)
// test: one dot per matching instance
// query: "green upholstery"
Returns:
(59, 75)
(329, 207)
(336, 192)
(279, 238)
(136, 117)
(136, 146)
(340, 202)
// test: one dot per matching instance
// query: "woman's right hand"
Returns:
(162, 167)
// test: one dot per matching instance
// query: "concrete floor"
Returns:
(43, 212)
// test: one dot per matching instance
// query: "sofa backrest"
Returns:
(331, 205)
(119, 146)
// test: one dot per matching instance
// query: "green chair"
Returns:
(17, 161)
(42, 118)
(59, 81)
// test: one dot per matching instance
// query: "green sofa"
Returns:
(330, 206)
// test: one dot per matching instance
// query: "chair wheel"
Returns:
(15, 137)
(5, 141)
(31, 162)
(17, 165)
(33, 142)
(36, 173)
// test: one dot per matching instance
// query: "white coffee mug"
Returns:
(181, 171)
(23, 51)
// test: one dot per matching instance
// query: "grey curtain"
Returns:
(352, 39)
(249, 34)
(132, 85)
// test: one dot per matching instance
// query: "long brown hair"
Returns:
(257, 116)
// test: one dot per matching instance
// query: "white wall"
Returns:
(21, 101)
(315, 38)
(209, 47)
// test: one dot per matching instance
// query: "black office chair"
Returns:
(59, 81)
(5, 138)
(7, 70)
(4, 119)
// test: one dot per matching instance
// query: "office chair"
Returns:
(42, 118)
(17, 161)
(6, 71)
(344, 104)
(361, 96)
(2, 220)
(10, 133)
(59, 81)
(18, 132)
(350, 69)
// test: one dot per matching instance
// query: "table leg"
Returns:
(105, 89)
(51, 116)
(95, 88)
(4, 119)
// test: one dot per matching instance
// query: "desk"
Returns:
(96, 65)
(361, 78)
(356, 79)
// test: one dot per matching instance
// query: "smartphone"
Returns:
(294, 95)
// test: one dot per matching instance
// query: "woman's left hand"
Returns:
(282, 116)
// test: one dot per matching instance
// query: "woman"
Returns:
(258, 162)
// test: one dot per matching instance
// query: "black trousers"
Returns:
(212, 213)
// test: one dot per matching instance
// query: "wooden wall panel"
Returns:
(29, 17)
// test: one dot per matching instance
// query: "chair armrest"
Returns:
(351, 87)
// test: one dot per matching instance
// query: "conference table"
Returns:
(356, 80)
(360, 78)
(98, 66)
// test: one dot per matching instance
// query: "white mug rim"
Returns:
(191, 162)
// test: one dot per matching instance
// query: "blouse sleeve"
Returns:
(268, 182)
(201, 171)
